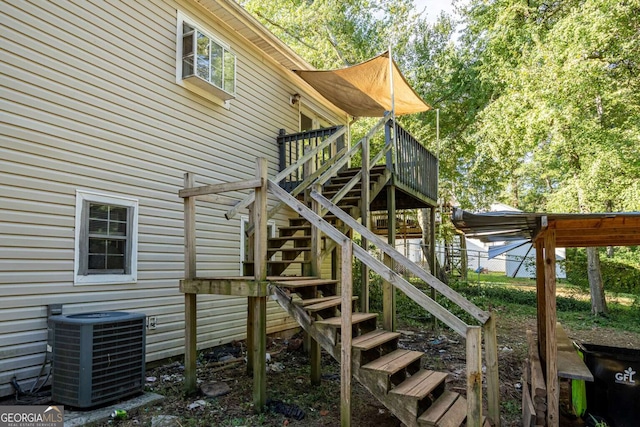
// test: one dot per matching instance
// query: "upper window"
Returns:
(106, 239)
(205, 61)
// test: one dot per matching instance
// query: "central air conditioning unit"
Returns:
(97, 357)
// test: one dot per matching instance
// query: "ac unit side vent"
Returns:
(97, 357)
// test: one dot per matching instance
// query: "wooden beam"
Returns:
(474, 376)
(241, 287)
(220, 188)
(190, 300)
(551, 353)
(346, 331)
(493, 377)
(432, 258)
(480, 315)
(259, 304)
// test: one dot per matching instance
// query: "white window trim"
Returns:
(105, 279)
(245, 219)
(181, 17)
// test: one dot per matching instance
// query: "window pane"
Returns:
(203, 56)
(186, 28)
(117, 228)
(97, 211)
(97, 246)
(117, 213)
(187, 66)
(116, 247)
(216, 65)
(115, 262)
(187, 45)
(229, 72)
(98, 226)
(97, 262)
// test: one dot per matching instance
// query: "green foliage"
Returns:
(620, 274)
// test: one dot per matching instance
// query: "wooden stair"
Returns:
(395, 376)
(294, 240)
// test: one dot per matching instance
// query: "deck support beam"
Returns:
(365, 218)
(388, 290)
(315, 351)
(345, 333)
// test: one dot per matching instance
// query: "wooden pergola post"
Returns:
(388, 291)
(551, 344)
(257, 306)
(365, 218)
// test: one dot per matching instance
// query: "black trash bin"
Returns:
(615, 392)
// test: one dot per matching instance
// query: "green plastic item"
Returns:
(579, 394)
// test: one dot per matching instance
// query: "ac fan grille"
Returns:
(97, 363)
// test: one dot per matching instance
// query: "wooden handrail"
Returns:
(389, 275)
(480, 315)
(280, 176)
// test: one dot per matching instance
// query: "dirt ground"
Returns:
(294, 402)
(292, 396)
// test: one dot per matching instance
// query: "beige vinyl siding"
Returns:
(89, 102)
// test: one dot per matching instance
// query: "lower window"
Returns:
(106, 239)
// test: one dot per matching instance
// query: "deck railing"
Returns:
(415, 166)
(293, 146)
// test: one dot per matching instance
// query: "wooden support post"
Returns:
(433, 260)
(190, 300)
(258, 305)
(493, 378)
(474, 376)
(250, 330)
(388, 291)
(315, 351)
(551, 345)
(541, 298)
(365, 218)
(346, 331)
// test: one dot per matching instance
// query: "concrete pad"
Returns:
(81, 418)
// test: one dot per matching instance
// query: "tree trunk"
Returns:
(598, 302)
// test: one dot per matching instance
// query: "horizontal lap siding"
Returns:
(89, 101)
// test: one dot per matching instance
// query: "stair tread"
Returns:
(394, 361)
(449, 407)
(301, 248)
(294, 283)
(311, 301)
(420, 384)
(373, 339)
(355, 318)
(332, 302)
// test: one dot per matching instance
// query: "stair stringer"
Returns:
(372, 381)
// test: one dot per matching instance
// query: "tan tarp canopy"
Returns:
(364, 90)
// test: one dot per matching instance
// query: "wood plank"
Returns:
(474, 376)
(365, 217)
(220, 188)
(335, 322)
(334, 302)
(297, 283)
(570, 365)
(394, 361)
(373, 339)
(439, 408)
(540, 297)
(538, 385)
(419, 385)
(311, 301)
(528, 410)
(456, 415)
(223, 286)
